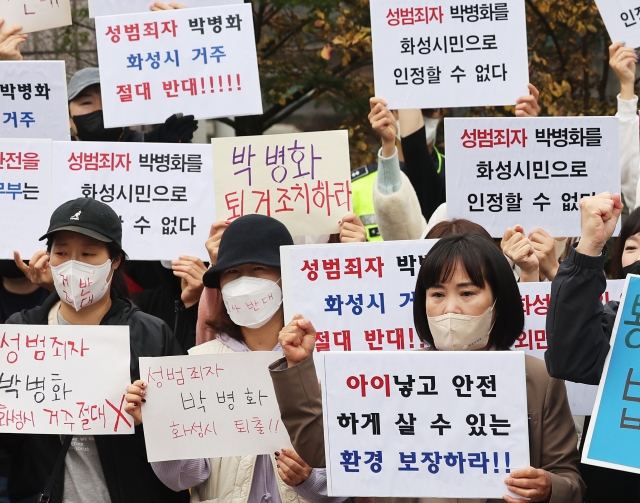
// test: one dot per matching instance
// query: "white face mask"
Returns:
(461, 332)
(431, 128)
(251, 302)
(79, 284)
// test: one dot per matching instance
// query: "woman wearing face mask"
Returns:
(579, 327)
(84, 243)
(466, 299)
(247, 272)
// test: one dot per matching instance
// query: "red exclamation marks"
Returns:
(220, 82)
(238, 81)
(229, 81)
(495, 462)
(213, 84)
(277, 422)
(202, 83)
(507, 462)
(411, 338)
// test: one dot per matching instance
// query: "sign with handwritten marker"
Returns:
(35, 15)
(622, 20)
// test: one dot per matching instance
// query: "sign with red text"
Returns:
(33, 100)
(426, 424)
(35, 15)
(199, 62)
(622, 20)
(25, 194)
(211, 406)
(301, 179)
(449, 54)
(115, 7)
(359, 297)
(163, 192)
(529, 171)
(64, 379)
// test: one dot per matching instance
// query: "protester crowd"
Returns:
(179, 307)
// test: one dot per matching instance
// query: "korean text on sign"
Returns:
(622, 20)
(211, 405)
(616, 419)
(393, 420)
(162, 192)
(301, 179)
(532, 172)
(64, 379)
(33, 100)
(195, 61)
(449, 53)
(36, 15)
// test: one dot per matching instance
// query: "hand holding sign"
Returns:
(135, 397)
(531, 483)
(518, 248)
(384, 123)
(527, 106)
(298, 339)
(599, 218)
(292, 468)
(544, 248)
(9, 42)
(622, 61)
(170, 6)
(213, 243)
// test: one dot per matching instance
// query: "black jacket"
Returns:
(128, 474)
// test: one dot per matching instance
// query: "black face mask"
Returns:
(631, 269)
(91, 128)
(9, 269)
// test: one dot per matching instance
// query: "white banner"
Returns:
(444, 54)
(622, 20)
(163, 192)
(533, 172)
(392, 431)
(64, 380)
(301, 179)
(25, 191)
(210, 406)
(199, 62)
(114, 7)
(35, 15)
(33, 100)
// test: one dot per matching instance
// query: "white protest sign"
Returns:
(533, 341)
(25, 190)
(301, 179)
(114, 7)
(36, 15)
(622, 20)
(33, 100)
(425, 423)
(163, 192)
(445, 54)
(199, 62)
(64, 379)
(527, 171)
(210, 406)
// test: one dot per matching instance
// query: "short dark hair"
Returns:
(629, 228)
(484, 264)
(457, 226)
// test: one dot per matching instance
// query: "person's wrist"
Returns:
(388, 148)
(586, 247)
(627, 91)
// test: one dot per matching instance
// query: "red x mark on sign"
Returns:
(119, 413)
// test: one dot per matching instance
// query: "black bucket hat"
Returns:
(251, 239)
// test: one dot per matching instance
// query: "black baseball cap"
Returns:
(89, 217)
(251, 239)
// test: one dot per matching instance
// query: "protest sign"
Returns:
(36, 15)
(445, 54)
(302, 179)
(622, 20)
(529, 171)
(25, 191)
(33, 100)
(163, 192)
(199, 62)
(115, 7)
(392, 431)
(612, 440)
(64, 379)
(210, 406)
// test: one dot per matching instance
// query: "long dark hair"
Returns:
(220, 322)
(629, 228)
(457, 226)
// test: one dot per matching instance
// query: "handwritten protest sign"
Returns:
(360, 298)
(163, 192)
(622, 20)
(64, 379)
(209, 406)
(391, 430)
(36, 15)
(114, 7)
(301, 179)
(613, 437)
(444, 54)
(533, 172)
(25, 190)
(33, 100)
(194, 61)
